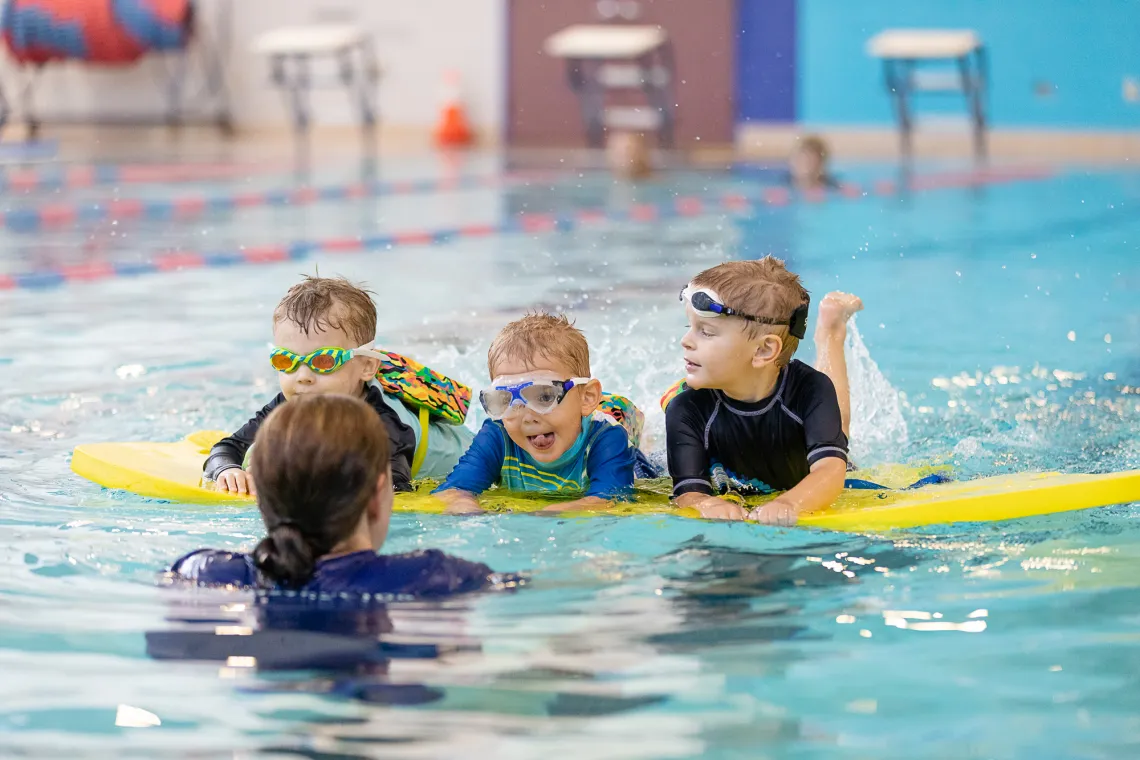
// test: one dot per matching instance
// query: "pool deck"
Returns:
(754, 141)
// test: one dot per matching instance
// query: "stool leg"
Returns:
(295, 87)
(212, 51)
(176, 75)
(5, 108)
(898, 78)
(665, 101)
(974, 87)
(28, 104)
(591, 99)
(359, 71)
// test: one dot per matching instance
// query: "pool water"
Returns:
(1001, 334)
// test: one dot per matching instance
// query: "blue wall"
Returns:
(766, 60)
(1083, 48)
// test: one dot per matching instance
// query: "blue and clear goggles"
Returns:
(540, 396)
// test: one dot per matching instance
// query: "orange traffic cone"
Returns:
(453, 129)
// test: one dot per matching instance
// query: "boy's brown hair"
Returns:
(320, 303)
(761, 288)
(816, 145)
(541, 336)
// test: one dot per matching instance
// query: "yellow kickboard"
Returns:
(173, 471)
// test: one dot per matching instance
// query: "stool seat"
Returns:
(608, 42)
(309, 40)
(923, 44)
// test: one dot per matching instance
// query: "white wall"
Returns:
(417, 41)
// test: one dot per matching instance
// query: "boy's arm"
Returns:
(689, 464)
(230, 452)
(818, 490)
(826, 456)
(476, 471)
(401, 438)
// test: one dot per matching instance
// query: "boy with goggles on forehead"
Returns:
(323, 333)
(544, 433)
(750, 419)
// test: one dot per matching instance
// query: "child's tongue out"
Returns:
(542, 441)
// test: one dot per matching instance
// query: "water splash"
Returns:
(878, 426)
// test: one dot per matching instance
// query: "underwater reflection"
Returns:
(402, 654)
(727, 596)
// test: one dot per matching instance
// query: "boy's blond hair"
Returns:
(760, 288)
(541, 336)
(320, 303)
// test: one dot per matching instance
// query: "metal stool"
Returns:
(902, 49)
(290, 51)
(601, 57)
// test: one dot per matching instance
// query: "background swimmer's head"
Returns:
(324, 312)
(541, 347)
(324, 485)
(809, 161)
(721, 351)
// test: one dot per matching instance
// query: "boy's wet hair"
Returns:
(322, 303)
(316, 465)
(541, 336)
(762, 288)
(816, 145)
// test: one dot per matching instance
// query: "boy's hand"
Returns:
(459, 502)
(775, 512)
(712, 508)
(236, 480)
(719, 509)
(584, 504)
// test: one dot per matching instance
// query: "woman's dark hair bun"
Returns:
(284, 556)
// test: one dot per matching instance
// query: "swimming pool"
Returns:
(1001, 334)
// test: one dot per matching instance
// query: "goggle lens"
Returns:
(323, 363)
(542, 398)
(495, 402)
(702, 301)
(281, 362)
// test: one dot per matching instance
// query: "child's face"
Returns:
(806, 165)
(348, 380)
(718, 351)
(547, 436)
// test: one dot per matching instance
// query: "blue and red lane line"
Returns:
(527, 223)
(51, 216)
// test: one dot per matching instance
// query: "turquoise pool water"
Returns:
(1002, 333)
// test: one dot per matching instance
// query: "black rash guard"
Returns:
(717, 444)
(230, 452)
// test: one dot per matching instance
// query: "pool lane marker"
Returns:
(51, 216)
(528, 223)
(75, 176)
(54, 216)
(733, 204)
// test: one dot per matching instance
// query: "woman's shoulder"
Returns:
(214, 567)
(422, 573)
